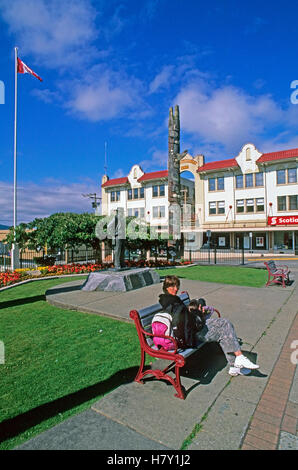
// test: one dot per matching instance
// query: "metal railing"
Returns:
(83, 255)
(216, 256)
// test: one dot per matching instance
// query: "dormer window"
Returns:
(135, 173)
(248, 154)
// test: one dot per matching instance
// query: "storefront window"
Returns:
(283, 240)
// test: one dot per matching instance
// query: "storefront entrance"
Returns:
(251, 241)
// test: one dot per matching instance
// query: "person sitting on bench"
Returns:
(219, 330)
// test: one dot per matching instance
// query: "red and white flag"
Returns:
(23, 68)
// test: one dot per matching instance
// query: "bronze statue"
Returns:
(117, 225)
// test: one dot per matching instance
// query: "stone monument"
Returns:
(119, 278)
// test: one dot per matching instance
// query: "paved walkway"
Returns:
(220, 412)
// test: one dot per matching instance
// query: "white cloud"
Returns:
(103, 94)
(159, 159)
(162, 79)
(223, 119)
(57, 33)
(42, 200)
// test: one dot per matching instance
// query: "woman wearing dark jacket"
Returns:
(185, 323)
(218, 330)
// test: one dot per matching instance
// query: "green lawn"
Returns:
(236, 275)
(57, 362)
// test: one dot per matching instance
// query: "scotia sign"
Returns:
(283, 220)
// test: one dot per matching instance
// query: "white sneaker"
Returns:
(239, 371)
(242, 361)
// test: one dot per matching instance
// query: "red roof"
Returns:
(231, 162)
(115, 182)
(154, 175)
(267, 157)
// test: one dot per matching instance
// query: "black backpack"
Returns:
(185, 325)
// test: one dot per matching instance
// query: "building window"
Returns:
(216, 207)
(212, 208)
(221, 207)
(240, 205)
(292, 175)
(248, 155)
(115, 196)
(260, 204)
(136, 212)
(249, 182)
(259, 179)
(136, 193)
(220, 184)
(250, 205)
(216, 184)
(158, 190)
(293, 203)
(239, 181)
(281, 176)
(211, 184)
(281, 203)
(159, 212)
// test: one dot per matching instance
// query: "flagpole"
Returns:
(15, 140)
(14, 255)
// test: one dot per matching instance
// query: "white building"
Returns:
(143, 195)
(250, 200)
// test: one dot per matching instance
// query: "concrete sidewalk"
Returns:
(258, 411)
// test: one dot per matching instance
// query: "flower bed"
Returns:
(19, 275)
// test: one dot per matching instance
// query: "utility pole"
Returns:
(95, 200)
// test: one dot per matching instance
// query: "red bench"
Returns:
(177, 357)
(277, 274)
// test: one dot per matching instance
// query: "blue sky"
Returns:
(111, 70)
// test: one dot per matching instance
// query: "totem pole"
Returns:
(174, 196)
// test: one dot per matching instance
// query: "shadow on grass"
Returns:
(11, 428)
(25, 300)
(62, 289)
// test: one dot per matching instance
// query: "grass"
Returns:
(240, 276)
(57, 362)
